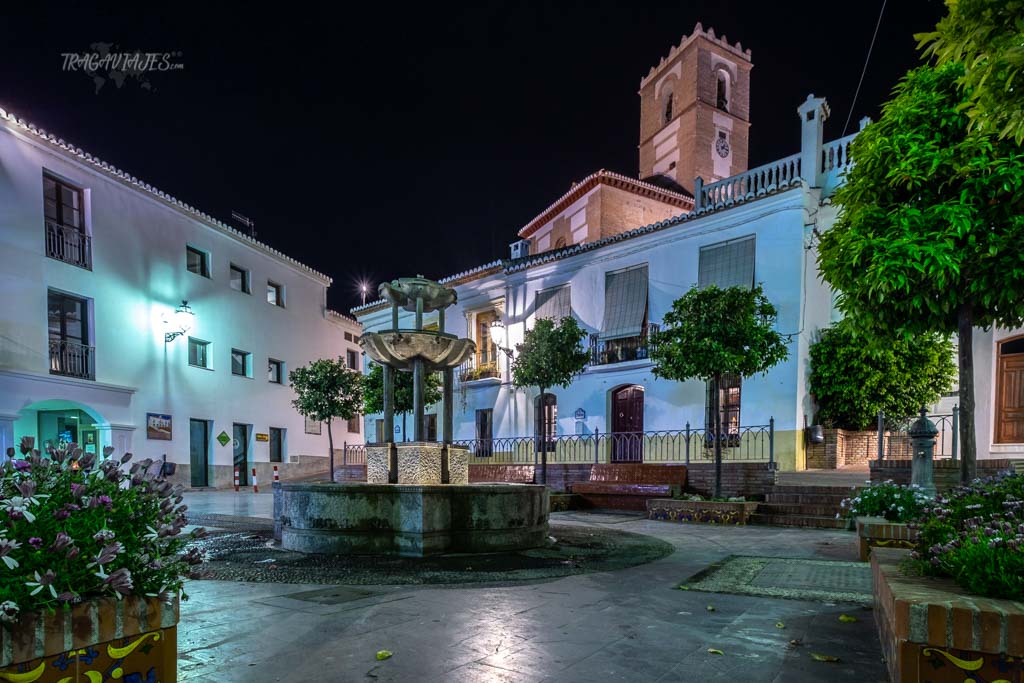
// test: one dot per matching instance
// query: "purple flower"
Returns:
(106, 501)
(77, 490)
(35, 542)
(27, 488)
(61, 541)
(120, 581)
(44, 581)
(108, 553)
(22, 465)
(103, 536)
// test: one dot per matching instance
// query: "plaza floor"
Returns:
(628, 625)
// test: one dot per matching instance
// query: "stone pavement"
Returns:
(629, 625)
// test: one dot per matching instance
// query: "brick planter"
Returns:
(878, 532)
(134, 639)
(931, 631)
(701, 511)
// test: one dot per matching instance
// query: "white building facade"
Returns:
(95, 265)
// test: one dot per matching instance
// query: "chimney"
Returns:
(813, 113)
(520, 249)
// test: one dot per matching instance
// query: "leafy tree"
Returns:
(373, 391)
(987, 37)
(931, 222)
(852, 380)
(711, 332)
(326, 389)
(551, 355)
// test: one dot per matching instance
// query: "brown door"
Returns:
(628, 424)
(1010, 398)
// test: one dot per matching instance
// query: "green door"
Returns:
(241, 442)
(199, 449)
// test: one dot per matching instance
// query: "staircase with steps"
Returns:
(809, 498)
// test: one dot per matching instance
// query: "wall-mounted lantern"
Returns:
(499, 336)
(180, 322)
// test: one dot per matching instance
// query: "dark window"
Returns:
(240, 363)
(198, 353)
(197, 262)
(668, 107)
(353, 425)
(275, 293)
(68, 331)
(352, 359)
(276, 444)
(240, 279)
(484, 432)
(348, 336)
(63, 203)
(275, 371)
(430, 426)
(729, 408)
(547, 422)
(722, 96)
(378, 430)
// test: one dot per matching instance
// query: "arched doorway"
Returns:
(1009, 408)
(53, 421)
(627, 424)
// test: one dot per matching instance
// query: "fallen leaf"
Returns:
(779, 624)
(847, 619)
(823, 658)
(683, 587)
(795, 643)
(713, 651)
(711, 608)
(383, 654)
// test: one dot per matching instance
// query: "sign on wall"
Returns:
(312, 426)
(223, 438)
(581, 414)
(262, 437)
(158, 426)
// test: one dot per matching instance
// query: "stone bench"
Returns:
(505, 474)
(628, 486)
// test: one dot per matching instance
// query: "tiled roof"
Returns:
(341, 316)
(143, 186)
(613, 179)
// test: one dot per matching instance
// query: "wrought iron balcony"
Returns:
(71, 359)
(470, 371)
(69, 245)
(608, 351)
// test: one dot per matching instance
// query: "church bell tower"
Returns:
(695, 112)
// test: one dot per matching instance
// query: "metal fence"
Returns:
(353, 454)
(754, 443)
(894, 439)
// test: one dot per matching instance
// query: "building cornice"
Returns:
(67, 381)
(78, 155)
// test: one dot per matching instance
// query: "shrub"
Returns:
(892, 501)
(975, 534)
(852, 380)
(74, 527)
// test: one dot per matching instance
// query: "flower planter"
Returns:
(701, 511)
(133, 640)
(931, 631)
(878, 532)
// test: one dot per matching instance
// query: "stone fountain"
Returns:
(417, 499)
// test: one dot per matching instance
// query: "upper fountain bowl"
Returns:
(399, 348)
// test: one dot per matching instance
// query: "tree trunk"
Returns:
(543, 416)
(330, 444)
(717, 407)
(968, 440)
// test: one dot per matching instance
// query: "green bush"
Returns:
(975, 534)
(892, 501)
(852, 380)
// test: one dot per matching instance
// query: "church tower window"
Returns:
(668, 108)
(722, 98)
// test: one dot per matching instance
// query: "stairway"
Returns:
(804, 505)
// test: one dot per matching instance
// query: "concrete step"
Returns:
(824, 490)
(806, 498)
(798, 509)
(810, 521)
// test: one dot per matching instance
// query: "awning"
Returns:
(554, 303)
(625, 303)
(727, 264)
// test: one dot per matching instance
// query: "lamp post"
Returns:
(180, 322)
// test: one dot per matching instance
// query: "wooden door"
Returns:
(628, 424)
(1010, 399)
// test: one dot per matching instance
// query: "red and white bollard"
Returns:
(236, 479)
(255, 484)
(277, 477)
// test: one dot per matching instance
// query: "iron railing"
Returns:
(608, 351)
(68, 244)
(470, 371)
(353, 454)
(894, 441)
(754, 443)
(71, 359)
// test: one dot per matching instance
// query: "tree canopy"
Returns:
(551, 355)
(852, 380)
(987, 37)
(325, 389)
(931, 222)
(373, 390)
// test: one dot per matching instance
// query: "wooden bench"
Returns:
(628, 486)
(505, 474)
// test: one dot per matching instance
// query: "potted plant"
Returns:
(696, 508)
(92, 563)
(881, 512)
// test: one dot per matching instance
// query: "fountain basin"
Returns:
(413, 520)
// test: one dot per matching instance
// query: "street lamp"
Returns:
(364, 289)
(180, 323)
(499, 335)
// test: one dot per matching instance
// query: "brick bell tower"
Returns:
(695, 112)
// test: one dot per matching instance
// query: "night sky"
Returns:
(393, 139)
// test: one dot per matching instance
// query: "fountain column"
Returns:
(417, 400)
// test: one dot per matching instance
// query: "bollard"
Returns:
(922, 437)
(255, 484)
(277, 477)
(236, 479)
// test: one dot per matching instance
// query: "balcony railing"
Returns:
(470, 371)
(608, 351)
(71, 359)
(69, 245)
